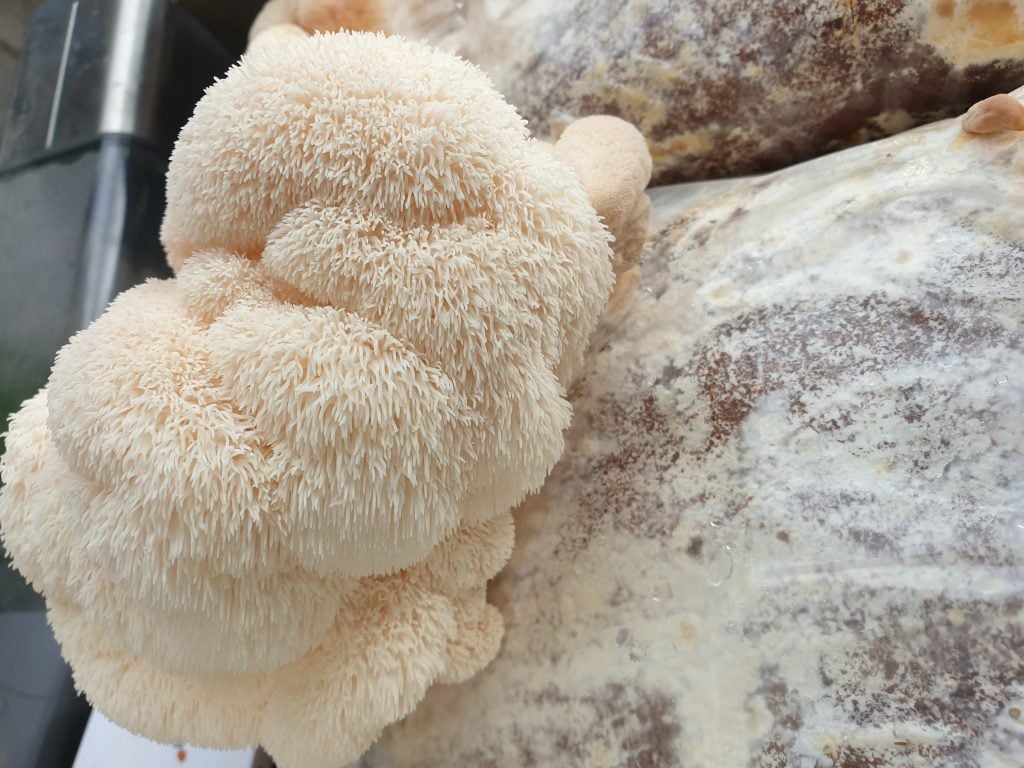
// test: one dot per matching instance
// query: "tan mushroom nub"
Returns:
(284, 17)
(996, 113)
(611, 159)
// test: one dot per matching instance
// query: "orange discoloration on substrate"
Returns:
(976, 31)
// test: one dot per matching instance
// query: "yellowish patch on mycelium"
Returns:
(976, 31)
(894, 121)
(689, 143)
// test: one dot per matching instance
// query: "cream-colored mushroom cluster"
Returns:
(263, 498)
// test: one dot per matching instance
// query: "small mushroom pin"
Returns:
(1001, 112)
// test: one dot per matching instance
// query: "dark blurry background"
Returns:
(228, 20)
(13, 19)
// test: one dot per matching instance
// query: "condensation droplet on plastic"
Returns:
(663, 592)
(720, 567)
(1002, 378)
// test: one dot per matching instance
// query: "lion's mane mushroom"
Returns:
(263, 498)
